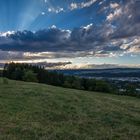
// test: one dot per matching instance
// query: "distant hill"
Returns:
(37, 111)
(115, 72)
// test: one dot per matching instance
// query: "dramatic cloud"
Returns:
(117, 35)
(126, 18)
(88, 40)
(55, 40)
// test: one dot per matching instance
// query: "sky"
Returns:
(71, 34)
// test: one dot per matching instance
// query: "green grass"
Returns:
(31, 111)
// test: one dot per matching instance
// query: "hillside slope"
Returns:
(42, 112)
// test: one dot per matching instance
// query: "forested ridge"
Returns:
(34, 73)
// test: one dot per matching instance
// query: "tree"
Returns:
(103, 86)
(34, 73)
(30, 76)
(130, 89)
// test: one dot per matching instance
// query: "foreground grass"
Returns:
(42, 112)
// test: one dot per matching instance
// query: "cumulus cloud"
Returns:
(4, 34)
(55, 10)
(81, 5)
(88, 40)
(126, 18)
(117, 13)
(73, 6)
(114, 5)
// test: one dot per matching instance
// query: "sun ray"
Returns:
(31, 11)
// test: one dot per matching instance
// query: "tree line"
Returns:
(34, 73)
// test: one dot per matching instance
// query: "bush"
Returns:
(30, 76)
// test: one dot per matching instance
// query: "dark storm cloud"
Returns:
(43, 40)
(48, 35)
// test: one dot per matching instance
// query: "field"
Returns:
(31, 111)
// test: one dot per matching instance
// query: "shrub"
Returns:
(30, 76)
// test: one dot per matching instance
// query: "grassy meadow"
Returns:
(31, 111)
